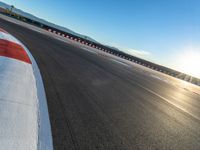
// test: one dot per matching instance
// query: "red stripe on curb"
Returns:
(13, 50)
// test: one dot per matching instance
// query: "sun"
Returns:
(189, 62)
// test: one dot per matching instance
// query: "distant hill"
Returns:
(32, 17)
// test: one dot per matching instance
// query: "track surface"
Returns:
(97, 103)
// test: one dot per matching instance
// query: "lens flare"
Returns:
(189, 62)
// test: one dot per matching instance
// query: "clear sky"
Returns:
(162, 31)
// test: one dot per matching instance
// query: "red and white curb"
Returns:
(24, 118)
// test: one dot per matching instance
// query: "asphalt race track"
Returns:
(97, 103)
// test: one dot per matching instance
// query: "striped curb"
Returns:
(24, 118)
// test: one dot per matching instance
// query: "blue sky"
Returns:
(158, 30)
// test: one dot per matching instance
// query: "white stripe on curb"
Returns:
(8, 37)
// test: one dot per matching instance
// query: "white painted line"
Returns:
(124, 64)
(91, 51)
(156, 77)
(168, 101)
(161, 79)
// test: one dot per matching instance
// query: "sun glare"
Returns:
(189, 62)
